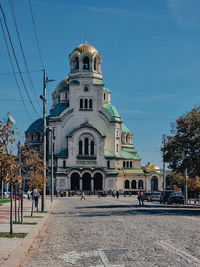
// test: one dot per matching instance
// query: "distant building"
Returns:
(93, 148)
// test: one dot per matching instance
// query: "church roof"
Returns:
(133, 171)
(125, 129)
(106, 90)
(36, 125)
(112, 110)
(86, 48)
(58, 109)
(152, 167)
(127, 155)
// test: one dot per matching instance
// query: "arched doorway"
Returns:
(98, 181)
(75, 177)
(133, 184)
(140, 184)
(154, 183)
(127, 184)
(86, 181)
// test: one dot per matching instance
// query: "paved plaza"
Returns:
(110, 232)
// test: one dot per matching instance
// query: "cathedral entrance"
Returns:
(98, 181)
(86, 180)
(75, 181)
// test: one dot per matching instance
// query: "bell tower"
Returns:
(85, 62)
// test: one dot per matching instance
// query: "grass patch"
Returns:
(8, 235)
(40, 211)
(2, 201)
(33, 216)
(29, 223)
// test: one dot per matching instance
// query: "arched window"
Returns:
(140, 184)
(131, 164)
(76, 63)
(86, 89)
(95, 64)
(64, 163)
(127, 184)
(117, 148)
(31, 136)
(86, 146)
(104, 96)
(124, 164)
(86, 103)
(133, 184)
(80, 148)
(127, 136)
(81, 103)
(92, 148)
(127, 164)
(154, 183)
(86, 65)
(90, 104)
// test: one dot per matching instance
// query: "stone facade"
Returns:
(93, 148)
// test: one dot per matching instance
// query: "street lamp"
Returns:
(43, 97)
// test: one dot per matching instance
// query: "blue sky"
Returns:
(150, 50)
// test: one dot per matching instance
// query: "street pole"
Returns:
(2, 185)
(186, 190)
(52, 188)
(21, 181)
(164, 176)
(43, 97)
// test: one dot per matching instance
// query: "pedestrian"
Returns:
(36, 195)
(141, 198)
(82, 195)
(113, 193)
(29, 194)
(117, 194)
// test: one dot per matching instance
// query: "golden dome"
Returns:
(152, 167)
(85, 48)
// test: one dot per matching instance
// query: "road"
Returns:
(115, 233)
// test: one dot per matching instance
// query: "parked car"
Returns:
(175, 197)
(155, 196)
(164, 196)
(146, 196)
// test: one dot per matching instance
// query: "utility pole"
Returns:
(52, 187)
(186, 190)
(43, 97)
(21, 182)
(164, 175)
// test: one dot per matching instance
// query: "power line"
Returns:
(34, 26)
(14, 70)
(9, 37)
(21, 47)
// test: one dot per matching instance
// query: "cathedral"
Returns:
(92, 146)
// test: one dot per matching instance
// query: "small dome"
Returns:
(86, 48)
(152, 167)
(63, 85)
(36, 125)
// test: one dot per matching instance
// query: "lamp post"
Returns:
(164, 176)
(43, 97)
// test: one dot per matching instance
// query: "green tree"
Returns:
(181, 150)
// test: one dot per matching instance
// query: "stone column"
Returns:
(69, 183)
(80, 183)
(92, 184)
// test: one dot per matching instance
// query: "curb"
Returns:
(19, 253)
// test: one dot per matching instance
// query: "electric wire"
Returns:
(14, 70)
(17, 63)
(36, 36)
(22, 50)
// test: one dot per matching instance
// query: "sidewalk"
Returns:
(13, 250)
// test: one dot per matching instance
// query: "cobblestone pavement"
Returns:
(114, 233)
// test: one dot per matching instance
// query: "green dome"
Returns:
(63, 85)
(112, 110)
(125, 129)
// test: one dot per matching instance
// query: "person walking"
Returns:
(117, 194)
(36, 195)
(82, 195)
(141, 198)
